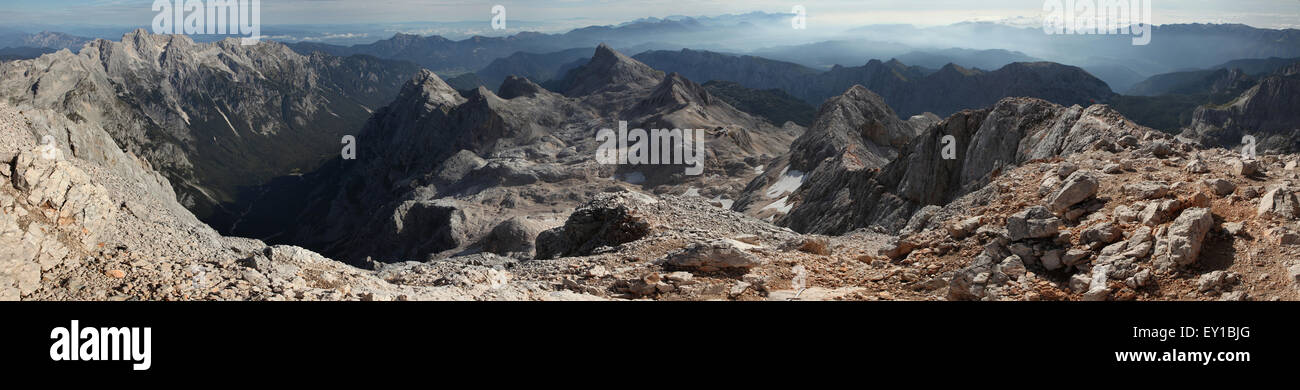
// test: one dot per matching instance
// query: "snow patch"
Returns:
(726, 203)
(780, 205)
(789, 182)
(232, 127)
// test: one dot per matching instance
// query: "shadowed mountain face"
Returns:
(910, 90)
(1267, 111)
(1222, 78)
(216, 119)
(440, 174)
(536, 67)
(775, 105)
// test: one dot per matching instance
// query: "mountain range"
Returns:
(911, 90)
(217, 119)
(152, 156)
(438, 172)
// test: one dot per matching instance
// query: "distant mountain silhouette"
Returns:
(910, 90)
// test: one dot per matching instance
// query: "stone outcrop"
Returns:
(1265, 111)
(839, 196)
(609, 220)
(713, 256)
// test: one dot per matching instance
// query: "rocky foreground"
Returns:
(1145, 217)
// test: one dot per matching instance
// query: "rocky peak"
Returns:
(675, 92)
(483, 97)
(515, 86)
(952, 69)
(610, 70)
(431, 89)
(857, 119)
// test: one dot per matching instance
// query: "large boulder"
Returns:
(420, 228)
(515, 235)
(610, 219)
(1147, 190)
(1182, 242)
(1220, 187)
(713, 256)
(1243, 167)
(1078, 187)
(1033, 222)
(1280, 201)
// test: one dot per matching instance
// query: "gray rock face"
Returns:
(211, 117)
(424, 147)
(838, 197)
(72, 228)
(1182, 242)
(712, 257)
(494, 157)
(54, 183)
(1265, 111)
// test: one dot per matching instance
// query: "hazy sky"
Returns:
(138, 13)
